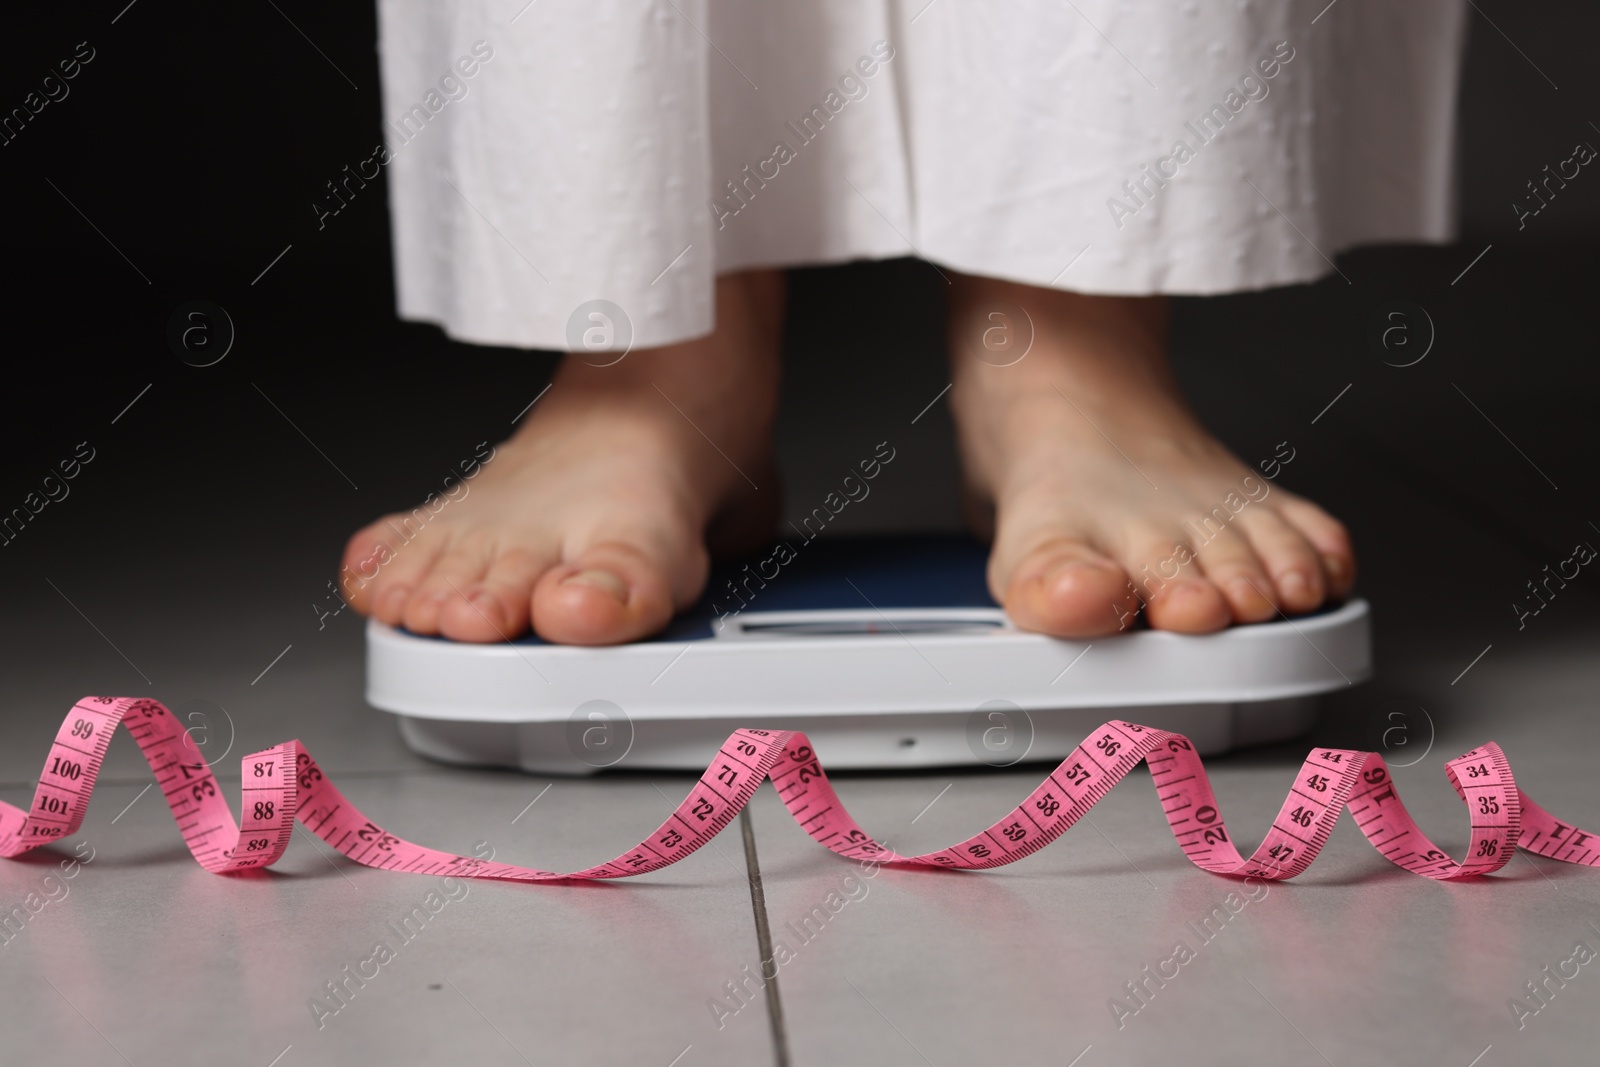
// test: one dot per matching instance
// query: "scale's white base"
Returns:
(914, 687)
(877, 742)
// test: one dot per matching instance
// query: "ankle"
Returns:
(1112, 331)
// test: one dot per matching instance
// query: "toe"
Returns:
(499, 606)
(381, 569)
(1329, 537)
(609, 594)
(1189, 605)
(456, 572)
(1289, 558)
(1230, 564)
(1177, 595)
(364, 556)
(1067, 589)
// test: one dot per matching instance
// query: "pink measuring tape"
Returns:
(283, 783)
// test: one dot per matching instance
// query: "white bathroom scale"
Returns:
(886, 652)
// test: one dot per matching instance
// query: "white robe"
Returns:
(632, 150)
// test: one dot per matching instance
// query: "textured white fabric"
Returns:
(586, 156)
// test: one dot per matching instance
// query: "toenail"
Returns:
(1245, 590)
(601, 580)
(488, 605)
(1295, 586)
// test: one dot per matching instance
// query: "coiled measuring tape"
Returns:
(284, 783)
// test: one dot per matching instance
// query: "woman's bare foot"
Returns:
(589, 524)
(1102, 492)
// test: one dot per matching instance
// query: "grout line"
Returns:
(758, 904)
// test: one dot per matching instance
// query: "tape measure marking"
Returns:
(284, 783)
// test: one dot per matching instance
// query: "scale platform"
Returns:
(888, 653)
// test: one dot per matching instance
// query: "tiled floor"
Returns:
(1355, 962)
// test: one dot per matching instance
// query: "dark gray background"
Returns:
(200, 134)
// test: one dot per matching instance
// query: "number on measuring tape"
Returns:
(1330, 781)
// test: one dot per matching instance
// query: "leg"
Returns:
(1102, 491)
(589, 524)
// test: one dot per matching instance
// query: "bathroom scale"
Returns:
(887, 652)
